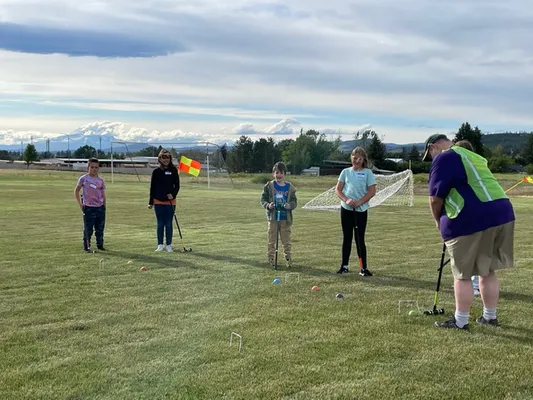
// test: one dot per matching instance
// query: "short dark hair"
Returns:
(93, 159)
(279, 167)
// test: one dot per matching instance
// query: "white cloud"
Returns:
(330, 66)
(285, 127)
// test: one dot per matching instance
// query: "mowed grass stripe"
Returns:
(73, 329)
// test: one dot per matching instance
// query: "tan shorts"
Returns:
(482, 252)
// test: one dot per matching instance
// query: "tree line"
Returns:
(312, 148)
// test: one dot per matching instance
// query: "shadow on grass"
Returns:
(510, 332)
(173, 260)
(263, 265)
(445, 287)
(408, 283)
(177, 260)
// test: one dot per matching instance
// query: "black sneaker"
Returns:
(450, 324)
(101, 248)
(482, 321)
(88, 250)
(342, 270)
(365, 272)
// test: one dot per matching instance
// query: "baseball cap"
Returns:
(430, 140)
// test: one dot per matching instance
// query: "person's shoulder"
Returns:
(344, 171)
(447, 156)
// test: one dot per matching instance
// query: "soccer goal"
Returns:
(395, 190)
(136, 161)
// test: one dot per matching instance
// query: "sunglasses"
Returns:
(165, 157)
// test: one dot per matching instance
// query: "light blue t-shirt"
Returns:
(356, 185)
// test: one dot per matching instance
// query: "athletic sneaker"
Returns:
(288, 262)
(450, 324)
(101, 248)
(88, 250)
(365, 272)
(160, 247)
(342, 270)
(169, 248)
(482, 321)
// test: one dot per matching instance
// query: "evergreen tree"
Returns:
(30, 154)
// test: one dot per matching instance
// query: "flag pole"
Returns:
(208, 181)
(512, 187)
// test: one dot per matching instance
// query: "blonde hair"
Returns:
(362, 152)
(164, 152)
(465, 144)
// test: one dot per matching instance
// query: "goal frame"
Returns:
(176, 146)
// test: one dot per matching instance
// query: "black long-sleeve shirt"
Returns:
(164, 181)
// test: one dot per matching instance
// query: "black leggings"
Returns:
(353, 221)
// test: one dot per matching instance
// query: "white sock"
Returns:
(461, 318)
(489, 313)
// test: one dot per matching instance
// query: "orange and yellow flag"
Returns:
(190, 166)
(528, 179)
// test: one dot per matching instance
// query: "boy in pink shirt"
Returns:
(92, 204)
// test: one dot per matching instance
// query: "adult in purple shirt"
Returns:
(476, 222)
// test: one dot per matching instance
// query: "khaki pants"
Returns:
(285, 230)
(483, 252)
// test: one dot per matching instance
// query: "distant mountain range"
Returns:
(103, 140)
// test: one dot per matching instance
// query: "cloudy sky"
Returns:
(214, 70)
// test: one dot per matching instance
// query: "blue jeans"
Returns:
(93, 220)
(164, 214)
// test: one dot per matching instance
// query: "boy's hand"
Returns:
(287, 206)
(150, 206)
(270, 206)
(169, 196)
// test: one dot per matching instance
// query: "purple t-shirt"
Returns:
(93, 189)
(447, 172)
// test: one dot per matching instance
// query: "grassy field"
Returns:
(72, 327)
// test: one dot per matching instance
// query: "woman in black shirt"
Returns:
(164, 187)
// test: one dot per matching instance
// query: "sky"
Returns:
(214, 70)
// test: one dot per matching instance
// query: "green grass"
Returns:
(72, 329)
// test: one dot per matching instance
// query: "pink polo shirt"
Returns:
(93, 190)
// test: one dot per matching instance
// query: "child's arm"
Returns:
(77, 196)
(265, 197)
(152, 189)
(176, 185)
(292, 200)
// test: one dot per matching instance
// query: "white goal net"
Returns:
(396, 190)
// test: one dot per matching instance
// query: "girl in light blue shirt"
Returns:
(355, 187)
